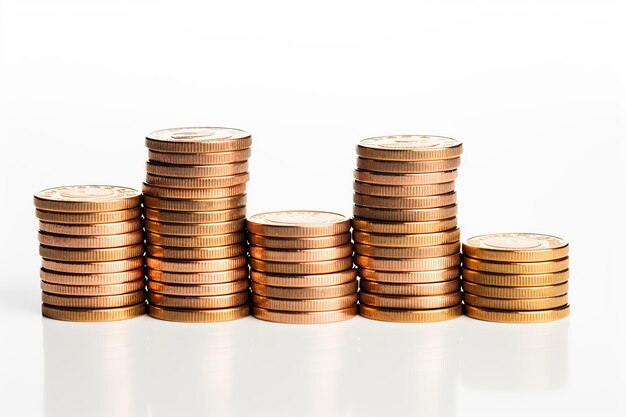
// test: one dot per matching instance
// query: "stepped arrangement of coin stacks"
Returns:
(516, 277)
(406, 237)
(195, 209)
(302, 269)
(91, 242)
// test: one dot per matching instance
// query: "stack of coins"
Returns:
(302, 268)
(516, 277)
(195, 209)
(405, 228)
(91, 242)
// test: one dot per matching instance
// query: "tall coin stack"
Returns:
(405, 228)
(195, 209)
(516, 277)
(91, 242)
(302, 268)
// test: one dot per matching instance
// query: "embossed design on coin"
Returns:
(517, 241)
(87, 193)
(409, 142)
(297, 218)
(199, 134)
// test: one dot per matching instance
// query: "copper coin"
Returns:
(194, 193)
(410, 302)
(404, 240)
(113, 278)
(199, 316)
(413, 277)
(529, 304)
(212, 158)
(399, 228)
(409, 148)
(522, 268)
(198, 139)
(90, 255)
(89, 218)
(198, 241)
(324, 304)
(403, 203)
(101, 229)
(410, 316)
(217, 252)
(300, 281)
(490, 291)
(91, 242)
(403, 190)
(212, 204)
(516, 316)
(301, 242)
(431, 288)
(518, 280)
(317, 317)
(382, 178)
(307, 268)
(406, 265)
(417, 215)
(212, 265)
(195, 171)
(408, 167)
(214, 301)
(92, 267)
(298, 223)
(302, 255)
(516, 247)
(93, 290)
(307, 293)
(406, 253)
(197, 183)
(195, 229)
(93, 315)
(87, 198)
(108, 301)
(198, 278)
(194, 216)
(199, 290)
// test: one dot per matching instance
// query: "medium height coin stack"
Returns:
(405, 228)
(91, 242)
(302, 268)
(195, 209)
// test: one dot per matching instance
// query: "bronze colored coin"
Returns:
(324, 304)
(87, 198)
(307, 293)
(404, 179)
(408, 167)
(298, 223)
(414, 277)
(93, 290)
(93, 315)
(194, 193)
(196, 171)
(502, 280)
(108, 301)
(301, 242)
(323, 267)
(211, 265)
(213, 204)
(432, 288)
(523, 268)
(217, 252)
(401, 228)
(517, 305)
(102, 229)
(404, 253)
(410, 316)
(305, 255)
(201, 290)
(438, 213)
(427, 302)
(515, 292)
(300, 281)
(199, 316)
(198, 278)
(404, 241)
(195, 229)
(403, 190)
(407, 265)
(211, 182)
(398, 203)
(207, 241)
(90, 255)
(198, 139)
(113, 278)
(516, 247)
(516, 316)
(92, 267)
(194, 216)
(213, 158)
(89, 218)
(76, 242)
(316, 317)
(200, 303)
(409, 148)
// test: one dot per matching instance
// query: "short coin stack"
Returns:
(195, 209)
(516, 277)
(302, 269)
(91, 242)
(405, 228)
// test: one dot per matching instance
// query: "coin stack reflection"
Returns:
(405, 228)
(302, 268)
(91, 242)
(516, 277)
(195, 208)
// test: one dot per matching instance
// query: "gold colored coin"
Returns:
(195, 171)
(404, 179)
(197, 183)
(545, 291)
(307, 293)
(410, 316)
(516, 247)
(200, 303)
(438, 213)
(93, 315)
(102, 229)
(408, 167)
(89, 218)
(194, 193)
(300, 281)
(323, 267)
(114, 278)
(502, 280)
(198, 140)
(305, 255)
(317, 317)
(213, 158)
(90, 255)
(403, 190)
(212, 265)
(198, 278)
(199, 241)
(398, 203)
(199, 316)
(405, 253)
(201, 290)
(427, 302)
(195, 229)
(213, 204)
(413, 277)
(108, 301)
(407, 265)
(404, 241)
(91, 242)
(517, 304)
(217, 252)
(432, 288)
(87, 198)
(194, 216)
(93, 290)
(298, 223)
(92, 267)
(402, 228)
(324, 304)
(522, 268)
(301, 242)
(516, 316)
(409, 148)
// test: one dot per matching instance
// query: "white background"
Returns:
(535, 90)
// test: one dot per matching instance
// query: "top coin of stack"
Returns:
(406, 237)
(91, 242)
(516, 277)
(195, 209)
